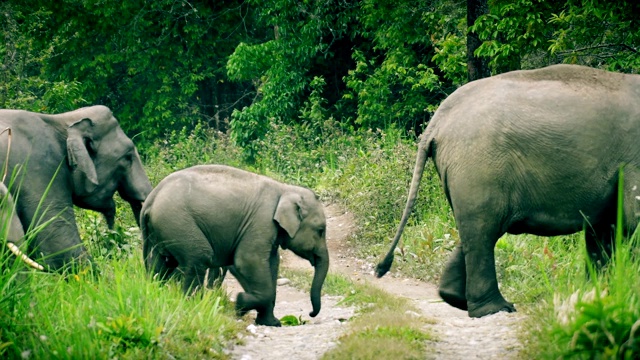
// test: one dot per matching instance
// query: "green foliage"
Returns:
(159, 65)
(597, 318)
(186, 148)
(598, 34)
(305, 43)
(22, 85)
(397, 82)
(515, 34)
(394, 93)
(300, 153)
(104, 243)
(534, 33)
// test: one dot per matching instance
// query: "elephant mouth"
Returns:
(313, 260)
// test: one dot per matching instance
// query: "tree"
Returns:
(477, 66)
(160, 65)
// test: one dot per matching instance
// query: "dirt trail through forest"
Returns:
(458, 336)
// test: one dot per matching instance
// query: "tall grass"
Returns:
(120, 313)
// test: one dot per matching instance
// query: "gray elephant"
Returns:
(534, 151)
(212, 216)
(77, 158)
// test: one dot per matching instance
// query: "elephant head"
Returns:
(301, 215)
(80, 158)
(104, 160)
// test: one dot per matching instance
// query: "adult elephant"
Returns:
(212, 216)
(535, 151)
(77, 158)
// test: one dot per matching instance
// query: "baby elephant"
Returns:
(213, 216)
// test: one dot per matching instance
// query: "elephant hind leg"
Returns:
(473, 263)
(194, 277)
(161, 266)
(453, 285)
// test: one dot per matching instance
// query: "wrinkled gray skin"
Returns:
(95, 159)
(213, 216)
(11, 231)
(535, 152)
(9, 222)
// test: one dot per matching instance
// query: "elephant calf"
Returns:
(213, 216)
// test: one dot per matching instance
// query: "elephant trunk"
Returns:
(321, 270)
(136, 207)
(136, 187)
(424, 152)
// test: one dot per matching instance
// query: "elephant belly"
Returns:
(560, 217)
(545, 225)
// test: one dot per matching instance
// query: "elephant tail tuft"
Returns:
(383, 267)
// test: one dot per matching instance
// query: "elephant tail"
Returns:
(424, 153)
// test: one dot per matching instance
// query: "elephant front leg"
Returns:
(599, 241)
(259, 290)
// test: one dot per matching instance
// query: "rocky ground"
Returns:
(458, 336)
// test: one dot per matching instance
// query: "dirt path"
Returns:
(458, 336)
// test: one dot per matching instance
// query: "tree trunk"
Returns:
(477, 68)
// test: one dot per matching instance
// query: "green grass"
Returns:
(120, 313)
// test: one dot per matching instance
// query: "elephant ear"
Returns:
(83, 170)
(288, 213)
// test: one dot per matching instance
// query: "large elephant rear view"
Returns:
(85, 157)
(537, 152)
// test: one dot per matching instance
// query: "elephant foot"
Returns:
(491, 308)
(268, 320)
(240, 312)
(454, 299)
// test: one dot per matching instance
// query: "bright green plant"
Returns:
(292, 320)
